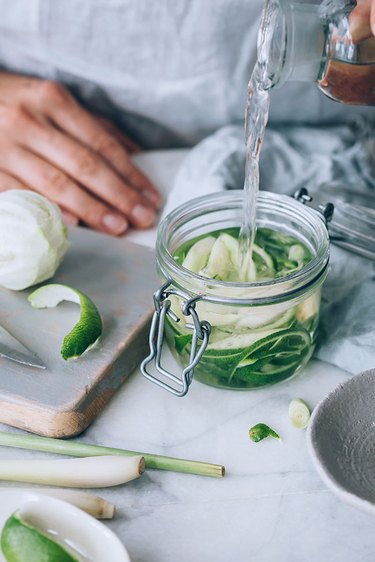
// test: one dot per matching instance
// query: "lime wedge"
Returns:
(21, 542)
(89, 327)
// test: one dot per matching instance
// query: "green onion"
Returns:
(79, 449)
(299, 413)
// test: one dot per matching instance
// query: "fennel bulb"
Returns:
(33, 239)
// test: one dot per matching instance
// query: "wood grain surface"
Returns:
(63, 399)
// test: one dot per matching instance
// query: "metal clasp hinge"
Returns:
(200, 335)
(327, 210)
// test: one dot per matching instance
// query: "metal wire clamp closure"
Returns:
(326, 211)
(200, 335)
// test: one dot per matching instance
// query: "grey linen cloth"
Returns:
(169, 73)
(318, 158)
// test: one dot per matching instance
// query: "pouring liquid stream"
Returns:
(256, 117)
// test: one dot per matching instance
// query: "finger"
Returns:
(46, 179)
(69, 218)
(84, 128)
(360, 20)
(89, 170)
(110, 127)
(70, 117)
(95, 137)
(8, 181)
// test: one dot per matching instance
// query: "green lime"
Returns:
(21, 542)
(89, 327)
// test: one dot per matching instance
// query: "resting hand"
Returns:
(50, 144)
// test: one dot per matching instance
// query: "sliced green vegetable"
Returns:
(249, 346)
(260, 431)
(299, 413)
(297, 253)
(22, 542)
(197, 257)
(89, 327)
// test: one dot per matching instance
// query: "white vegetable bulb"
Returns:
(33, 239)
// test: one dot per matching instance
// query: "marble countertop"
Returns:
(270, 507)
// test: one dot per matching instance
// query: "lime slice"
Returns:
(299, 413)
(21, 542)
(89, 327)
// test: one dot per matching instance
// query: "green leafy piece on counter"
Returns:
(299, 413)
(89, 327)
(22, 542)
(260, 431)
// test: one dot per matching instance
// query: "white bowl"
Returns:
(89, 538)
(341, 440)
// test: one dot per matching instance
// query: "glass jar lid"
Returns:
(352, 222)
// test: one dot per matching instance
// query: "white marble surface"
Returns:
(270, 507)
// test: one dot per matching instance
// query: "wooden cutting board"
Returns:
(63, 399)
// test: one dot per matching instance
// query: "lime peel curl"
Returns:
(89, 327)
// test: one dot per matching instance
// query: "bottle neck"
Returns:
(290, 42)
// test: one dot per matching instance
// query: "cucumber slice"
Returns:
(267, 259)
(233, 248)
(240, 341)
(197, 257)
(265, 315)
(297, 253)
(255, 378)
(308, 308)
(216, 319)
(223, 262)
(219, 264)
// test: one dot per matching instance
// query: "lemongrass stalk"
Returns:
(91, 472)
(94, 505)
(79, 449)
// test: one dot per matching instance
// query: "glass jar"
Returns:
(309, 42)
(236, 335)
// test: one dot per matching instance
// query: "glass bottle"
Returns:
(310, 42)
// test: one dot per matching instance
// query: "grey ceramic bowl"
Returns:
(341, 440)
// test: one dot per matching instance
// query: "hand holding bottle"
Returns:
(362, 20)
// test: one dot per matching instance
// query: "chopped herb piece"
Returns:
(261, 431)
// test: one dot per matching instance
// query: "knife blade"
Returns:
(13, 349)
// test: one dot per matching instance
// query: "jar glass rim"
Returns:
(222, 200)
